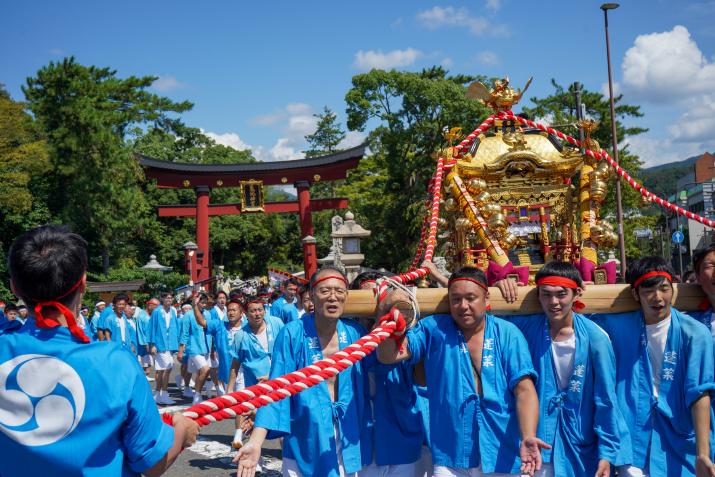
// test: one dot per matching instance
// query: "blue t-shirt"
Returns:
(68, 416)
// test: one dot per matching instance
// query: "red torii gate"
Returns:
(203, 177)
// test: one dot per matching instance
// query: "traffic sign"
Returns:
(678, 236)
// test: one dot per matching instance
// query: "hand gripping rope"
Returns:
(268, 392)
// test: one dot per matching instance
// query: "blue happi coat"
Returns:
(163, 337)
(305, 420)
(223, 337)
(130, 331)
(290, 312)
(219, 314)
(455, 406)
(583, 422)
(105, 318)
(398, 421)
(70, 418)
(143, 322)
(193, 336)
(662, 432)
(249, 352)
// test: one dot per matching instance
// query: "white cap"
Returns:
(99, 303)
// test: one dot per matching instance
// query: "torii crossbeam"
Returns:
(302, 173)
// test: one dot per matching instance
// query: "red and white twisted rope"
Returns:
(268, 392)
(432, 236)
(614, 165)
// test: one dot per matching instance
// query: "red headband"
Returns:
(337, 277)
(467, 279)
(652, 274)
(555, 281)
(44, 322)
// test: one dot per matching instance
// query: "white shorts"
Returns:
(631, 471)
(198, 362)
(401, 470)
(163, 361)
(213, 363)
(240, 380)
(146, 360)
(442, 471)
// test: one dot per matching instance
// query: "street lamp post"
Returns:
(619, 207)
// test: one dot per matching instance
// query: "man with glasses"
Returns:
(325, 428)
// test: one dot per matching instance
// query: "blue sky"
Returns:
(257, 72)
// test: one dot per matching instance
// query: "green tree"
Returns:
(86, 113)
(388, 189)
(327, 136)
(24, 161)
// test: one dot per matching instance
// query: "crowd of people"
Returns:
(466, 393)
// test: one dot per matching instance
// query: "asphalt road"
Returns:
(212, 454)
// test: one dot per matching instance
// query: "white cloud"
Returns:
(228, 139)
(352, 139)
(267, 119)
(493, 5)
(298, 108)
(667, 67)
(654, 151)
(487, 58)
(697, 123)
(57, 52)
(367, 60)
(167, 83)
(440, 17)
(447, 62)
(616, 89)
(284, 151)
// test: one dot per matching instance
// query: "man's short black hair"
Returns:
(365, 277)
(640, 267)
(10, 307)
(473, 273)
(237, 301)
(220, 292)
(326, 268)
(119, 297)
(46, 262)
(293, 281)
(560, 269)
(304, 288)
(699, 256)
(166, 294)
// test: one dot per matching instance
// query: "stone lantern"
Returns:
(350, 233)
(155, 266)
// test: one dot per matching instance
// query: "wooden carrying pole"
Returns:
(598, 299)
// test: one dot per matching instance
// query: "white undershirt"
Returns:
(563, 353)
(123, 327)
(167, 317)
(712, 326)
(221, 313)
(657, 335)
(263, 340)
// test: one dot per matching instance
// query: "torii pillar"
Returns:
(203, 267)
(310, 259)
